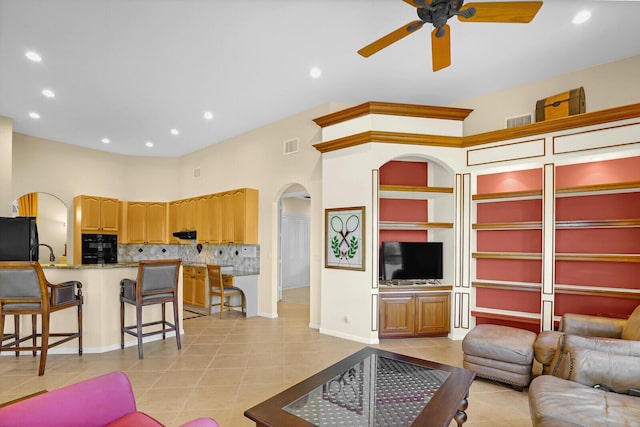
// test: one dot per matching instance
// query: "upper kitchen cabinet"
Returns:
(239, 212)
(146, 222)
(96, 214)
(203, 219)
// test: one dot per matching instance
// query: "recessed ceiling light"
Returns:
(581, 17)
(105, 140)
(174, 131)
(208, 115)
(149, 144)
(315, 72)
(48, 93)
(34, 115)
(34, 56)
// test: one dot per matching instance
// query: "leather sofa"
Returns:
(546, 343)
(590, 380)
(107, 400)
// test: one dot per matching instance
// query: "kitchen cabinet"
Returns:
(194, 287)
(405, 312)
(203, 219)
(245, 216)
(146, 222)
(215, 219)
(93, 215)
(96, 214)
(226, 217)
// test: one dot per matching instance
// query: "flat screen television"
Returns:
(411, 260)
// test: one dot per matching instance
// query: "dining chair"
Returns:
(224, 293)
(24, 290)
(157, 283)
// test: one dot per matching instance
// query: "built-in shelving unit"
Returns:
(596, 239)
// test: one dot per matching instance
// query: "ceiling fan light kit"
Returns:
(438, 13)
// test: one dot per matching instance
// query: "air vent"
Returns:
(196, 173)
(518, 120)
(291, 146)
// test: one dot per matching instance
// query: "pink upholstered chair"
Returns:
(107, 400)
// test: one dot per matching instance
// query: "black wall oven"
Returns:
(99, 248)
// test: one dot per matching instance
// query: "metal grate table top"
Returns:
(377, 391)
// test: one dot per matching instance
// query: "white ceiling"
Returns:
(130, 70)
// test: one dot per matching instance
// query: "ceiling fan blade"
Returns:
(411, 2)
(509, 12)
(390, 38)
(441, 49)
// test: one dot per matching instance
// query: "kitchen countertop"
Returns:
(135, 264)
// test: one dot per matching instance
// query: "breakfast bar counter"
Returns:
(101, 308)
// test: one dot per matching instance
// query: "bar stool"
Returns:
(25, 290)
(157, 283)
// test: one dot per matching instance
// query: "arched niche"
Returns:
(52, 226)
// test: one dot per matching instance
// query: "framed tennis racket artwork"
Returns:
(344, 238)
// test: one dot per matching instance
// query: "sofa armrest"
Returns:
(592, 326)
(93, 402)
(590, 367)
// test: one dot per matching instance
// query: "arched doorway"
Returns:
(294, 243)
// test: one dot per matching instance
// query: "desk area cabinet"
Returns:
(195, 292)
(414, 311)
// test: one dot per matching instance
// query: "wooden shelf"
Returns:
(524, 225)
(507, 255)
(598, 188)
(510, 286)
(632, 258)
(508, 195)
(413, 192)
(600, 223)
(398, 225)
(598, 292)
(529, 318)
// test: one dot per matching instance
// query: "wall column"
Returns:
(461, 313)
(6, 171)
(548, 247)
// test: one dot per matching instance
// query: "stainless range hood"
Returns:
(185, 235)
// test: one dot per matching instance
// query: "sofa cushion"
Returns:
(137, 419)
(557, 402)
(591, 367)
(631, 331)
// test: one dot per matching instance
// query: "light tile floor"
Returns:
(226, 366)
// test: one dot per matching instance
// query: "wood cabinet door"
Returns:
(174, 220)
(432, 316)
(215, 219)
(239, 212)
(190, 214)
(90, 213)
(200, 287)
(136, 222)
(156, 222)
(202, 219)
(109, 215)
(226, 204)
(188, 285)
(397, 316)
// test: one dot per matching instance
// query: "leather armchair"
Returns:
(546, 345)
(590, 384)
(107, 400)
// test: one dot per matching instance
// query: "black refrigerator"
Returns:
(17, 236)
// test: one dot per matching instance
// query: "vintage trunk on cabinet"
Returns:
(561, 105)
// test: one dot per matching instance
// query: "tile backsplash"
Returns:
(243, 258)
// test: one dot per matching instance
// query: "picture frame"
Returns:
(345, 238)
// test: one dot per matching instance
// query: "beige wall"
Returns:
(606, 86)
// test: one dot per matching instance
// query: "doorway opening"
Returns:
(294, 243)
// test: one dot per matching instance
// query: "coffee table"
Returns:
(372, 387)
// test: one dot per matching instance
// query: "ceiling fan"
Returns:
(438, 12)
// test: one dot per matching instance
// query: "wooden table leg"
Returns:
(461, 415)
